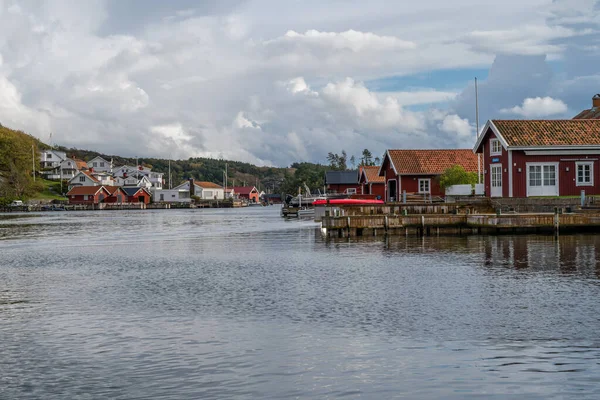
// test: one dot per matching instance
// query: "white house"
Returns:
(51, 158)
(105, 178)
(133, 181)
(83, 178)
(99, 164)
(171, 196)
(203, 190)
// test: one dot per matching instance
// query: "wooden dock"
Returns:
(461, 224)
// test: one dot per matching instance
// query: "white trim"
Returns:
(489, 125)
(583, 184)
(542, 164)
(387, 195)
(492, 143)
(387, 154)
(510, 174)
(492, 166)
(557, 152)
(428, 180)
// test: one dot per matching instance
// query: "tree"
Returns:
(377, 161)
(353, 162)
(367, 158)
(456, 175)
(342, 165)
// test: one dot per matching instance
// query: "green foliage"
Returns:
(337, 162)
(18, 151)
(456, 175)
(313, 175)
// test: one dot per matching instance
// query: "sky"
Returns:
(274, 82)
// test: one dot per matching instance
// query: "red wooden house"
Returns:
(137, 195)
(87, 195)
(342, 182)
(249, 193)
(116, 195)
(371, 182)
(524, 158)
(417, 171)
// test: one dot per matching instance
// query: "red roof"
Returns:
(113, 189)
(372, 174)
(591, 113)
(85, 190)
(88, 173)
(431, 162)
(80, 164)
(565, 132)
(244, 189)
(207, 185)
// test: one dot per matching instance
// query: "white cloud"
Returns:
(538, 107)
(191, 79)
(349, 40)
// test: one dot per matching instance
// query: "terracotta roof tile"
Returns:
(89, 174)
(83, 190)
(432, 162)
(592, 113)
(372, 174)
(566, 132)
(81, 164)
(112, 189)
(207, 185)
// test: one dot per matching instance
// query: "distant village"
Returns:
(99, 181)
(512, 158)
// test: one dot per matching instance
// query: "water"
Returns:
(242, 304)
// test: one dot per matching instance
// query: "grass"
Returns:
(50, 192)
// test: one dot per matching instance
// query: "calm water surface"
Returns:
(242, 304)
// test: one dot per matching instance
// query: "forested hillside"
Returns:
(17, 152)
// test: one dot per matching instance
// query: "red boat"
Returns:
(339, 202)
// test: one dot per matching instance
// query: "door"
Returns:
(542, 180)
(392, 192)
(496, 180)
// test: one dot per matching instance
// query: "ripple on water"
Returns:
(242, 304)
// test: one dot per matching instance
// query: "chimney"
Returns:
(192, 187)
(596, 101)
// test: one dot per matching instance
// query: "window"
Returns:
(495, 147)
(349, 191)
(48, 155)
(585, 175)
(208, 194)
(102, 164)
(85, 196)
(82, 178)
(424, 185)
(549, 175)
(535, 175)
(95, 164)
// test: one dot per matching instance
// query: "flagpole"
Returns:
(477, 133)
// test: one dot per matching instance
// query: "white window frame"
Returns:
(494, 143)
(542, 164)
(349, 191)
(584, 163)
(423, 180)
(82, 179)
